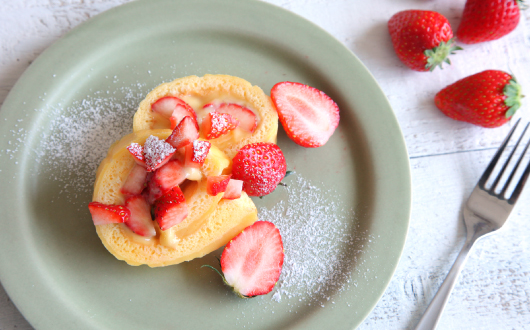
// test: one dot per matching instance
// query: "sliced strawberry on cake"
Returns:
(252, 261)
(308, 116)
(246, 117)
(103, 214)
(174, 109)
(140, 221)
(135, 182)
(233, 189)
(196, 153)
(185, 133)
(137, 151)
(171, 209)
(216, 124)
(156, 153)
(168, 176)
(217, 184)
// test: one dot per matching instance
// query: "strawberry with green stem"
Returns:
(422, 39)
(488, 99)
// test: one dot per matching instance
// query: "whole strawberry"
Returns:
(261, 166)
(485, 20)
(422, 39)
(487, 99)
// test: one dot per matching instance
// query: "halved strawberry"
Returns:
(174, 109)
(156, 153)
(171, 209)
(308, 116)
(140, 221)
(247, 118)
(216, 124)
(196, 153)
(216, 184)
(252, 261)
(103, 214)
(233, 189)
(185, 133)
(135, 182)
(137, 151)
(168, 176)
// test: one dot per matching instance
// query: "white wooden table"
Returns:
(446, 156)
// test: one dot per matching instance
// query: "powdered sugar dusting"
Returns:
(156, 151)
(320, 240)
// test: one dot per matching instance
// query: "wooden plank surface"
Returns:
(447, 157)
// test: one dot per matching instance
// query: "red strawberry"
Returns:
(216, 184)
(196, 153)
(168, 176)
(175, 109)
(233, 189)
(137, 151)
(103, 214)
(422, 39)
(247, 118)
(185, 133)
(486, 20)
(261, 166)
(135, 182)
(487, 99)
(308, 116)
(252, 261)
(140, 221)
(216, 124)
(156, 153)
(171, 209)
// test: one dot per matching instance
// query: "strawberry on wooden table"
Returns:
(308, 115)
(261, 166)
(171, 209)
(488, 98)
(252, 261)
(486, 20)
(140, 221)
(103, 214)
(422, 39)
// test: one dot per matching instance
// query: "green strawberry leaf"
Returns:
(438, 55)
(513, 93)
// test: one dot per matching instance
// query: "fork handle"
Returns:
(434, 311)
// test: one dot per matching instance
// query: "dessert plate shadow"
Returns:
(346, 208)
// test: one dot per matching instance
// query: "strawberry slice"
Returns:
(196, 153)
(157, 153)
(217, 184)
(153, 191)
(103, 214)
(137, 151)
(308, 116)
(246, 117)
(175, 109)
(185, 133)
(168, 176)
(233, 189)
(216, 124)
(171, 209)
(252, 261)
(140, 221)
(135, 182)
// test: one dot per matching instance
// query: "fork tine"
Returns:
(493, 162)
(517, 191)
(501, 172)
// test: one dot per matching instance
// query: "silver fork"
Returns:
(484, 212)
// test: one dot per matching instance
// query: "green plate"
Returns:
(343, 217)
